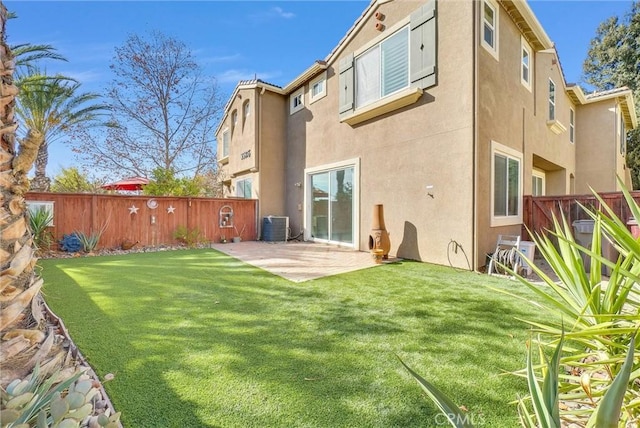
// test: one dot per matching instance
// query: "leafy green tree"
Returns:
(27, 56)
(165, 183)
(52, 105)
(72, 180)
(613, 61)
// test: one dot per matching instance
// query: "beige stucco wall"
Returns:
(261, 138)
(599, 158)
(272, 126)
(516, 117)
(425, 144)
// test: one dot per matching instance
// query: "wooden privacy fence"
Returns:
(151, 220)
(538, 210)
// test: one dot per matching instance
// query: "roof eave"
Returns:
(316, 68)
(631, 118)
(525, 19)
(253, 84)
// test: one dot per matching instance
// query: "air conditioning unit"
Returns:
(275, 228)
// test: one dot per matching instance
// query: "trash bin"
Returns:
(583, 234)
(528, 249)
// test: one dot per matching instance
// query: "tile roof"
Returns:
(606, 93)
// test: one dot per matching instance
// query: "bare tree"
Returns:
(163, 112)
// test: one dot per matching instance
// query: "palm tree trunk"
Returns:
(41, 183)
(22, 325)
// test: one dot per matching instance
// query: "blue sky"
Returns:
(235, 40)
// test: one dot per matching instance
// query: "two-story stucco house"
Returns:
(445, 112)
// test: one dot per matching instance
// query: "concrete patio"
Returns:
(298, 261)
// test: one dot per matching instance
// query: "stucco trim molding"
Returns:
(388, 104)
(556, 126)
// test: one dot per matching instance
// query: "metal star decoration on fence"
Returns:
(171, 209)
(133, 209)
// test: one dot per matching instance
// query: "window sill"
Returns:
(224, 160)
(506, 221)
(393, 102)
(556, 127)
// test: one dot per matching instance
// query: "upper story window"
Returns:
(383, 69)
(246, 110)
(572, 125)
(296, 101)
(392, 70)
(318, 88)
(225, 143)
(525, 60)
(234, 120)
(552, 100)
(489, 27)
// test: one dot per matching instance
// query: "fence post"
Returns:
(94, 213)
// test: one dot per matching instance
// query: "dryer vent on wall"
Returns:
(275, 228)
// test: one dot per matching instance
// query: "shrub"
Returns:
(70, 243)
(188, 237)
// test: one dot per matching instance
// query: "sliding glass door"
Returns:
(332, 205)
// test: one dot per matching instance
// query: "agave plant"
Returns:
(89, 241)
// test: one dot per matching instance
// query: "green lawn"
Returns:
(196, 338)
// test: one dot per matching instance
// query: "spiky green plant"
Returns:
(544, 398)
(39, 221)
(89, 241)
(597, 318)
(601, 314)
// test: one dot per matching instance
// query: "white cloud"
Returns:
(84, 76)
(282, 14)
(271, 14)
(222, 58)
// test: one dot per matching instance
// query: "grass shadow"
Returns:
(241, 347)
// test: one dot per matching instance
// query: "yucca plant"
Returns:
(601, 315)
(595, 325)
(39, 221)
(544, 398)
